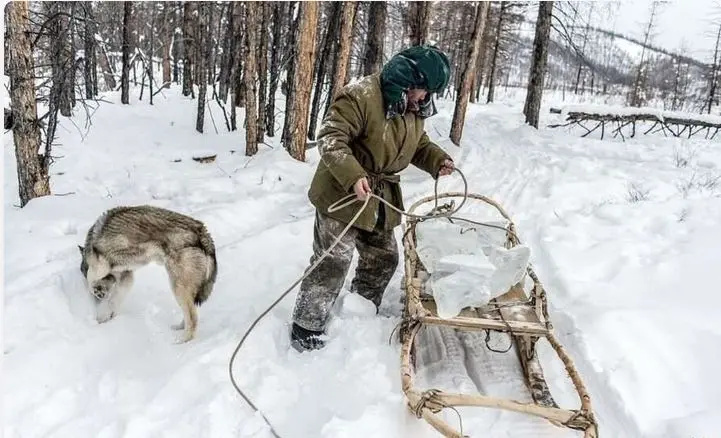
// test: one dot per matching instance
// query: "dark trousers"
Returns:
(377, 262)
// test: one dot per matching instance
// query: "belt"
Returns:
(377, 179)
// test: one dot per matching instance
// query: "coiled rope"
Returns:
(344, 202)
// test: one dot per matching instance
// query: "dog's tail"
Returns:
(208, 247)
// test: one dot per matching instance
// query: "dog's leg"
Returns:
(125, 283)
(186, 273)
(120, 290)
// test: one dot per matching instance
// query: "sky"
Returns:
(689, 20)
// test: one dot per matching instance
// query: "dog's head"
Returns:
(97, 273)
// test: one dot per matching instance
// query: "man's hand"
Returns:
(446, 168)
(362, 189)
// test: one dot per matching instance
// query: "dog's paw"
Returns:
(185, 337)
(178, 326)
(105, 318)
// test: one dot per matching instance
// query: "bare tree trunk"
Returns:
(534, 93)
(274, 73)
(345, 36)
(167, 43)
(637, 97)
(149, 64)
(90, 63)
(714, 74)
(125, 77)
(228, 57)
(322, 71)
(419, 20)
(303, 78)
(108, 74)
(287, 87)
(203, 41)
(188, 45)
(469, 72)
(263, 18)
(33, 175)
(251, 110)
(373, 57)
(494, 59)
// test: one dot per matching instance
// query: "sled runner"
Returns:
(521, 311)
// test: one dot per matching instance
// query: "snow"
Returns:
(618, 110)
(624, 236)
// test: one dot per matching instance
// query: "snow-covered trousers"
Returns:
(377, 262)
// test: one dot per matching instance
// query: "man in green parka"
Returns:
(373, 130)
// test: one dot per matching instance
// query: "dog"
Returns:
(126, 238)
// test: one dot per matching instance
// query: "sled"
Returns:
(521, 312)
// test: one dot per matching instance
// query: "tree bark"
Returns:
(274, 74)
(188, 46)
(33, 175)
(263, 18)
(286, 87)
(322, 71)
(203, 41)
(125, 76)
(345, 36)
(303, 78)
(419, 19)
(468, 74)
(494, 58)
(249, 73)
(373, 57)
(90, 62)
(228, 58)
(167, 42)
(534, 93)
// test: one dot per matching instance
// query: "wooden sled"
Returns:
(527, 323)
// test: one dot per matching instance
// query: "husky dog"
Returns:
(124, 239)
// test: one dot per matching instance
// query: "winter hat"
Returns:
(423, 66)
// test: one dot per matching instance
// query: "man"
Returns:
(373, 130)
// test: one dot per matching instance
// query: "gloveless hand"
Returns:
(362, 189)
(446, 168)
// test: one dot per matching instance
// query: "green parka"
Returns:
(357, 140)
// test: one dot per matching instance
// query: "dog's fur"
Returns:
(124, 239)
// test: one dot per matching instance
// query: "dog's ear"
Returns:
(81, 249)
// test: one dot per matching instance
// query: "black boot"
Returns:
(305, 340)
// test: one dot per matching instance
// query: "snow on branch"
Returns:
(675, 123)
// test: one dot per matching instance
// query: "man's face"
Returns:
(415, 95)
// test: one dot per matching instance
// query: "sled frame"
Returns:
(533, 324)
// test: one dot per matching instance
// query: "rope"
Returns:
(338, 205)
(429, 400)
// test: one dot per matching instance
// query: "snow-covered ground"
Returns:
(624, 236)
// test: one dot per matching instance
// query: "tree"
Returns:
(638, 95)
(534, 92)
(302, 78)
(249, 77)
(90, 68)
(418, 20)
(714, 74)
(274, 67)
(204, 42)
(373, 55)
(33, 175)
(264, 19)
(345, 35)
(188, 44)
(331, 30)
(468, 74)
(125, 76)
